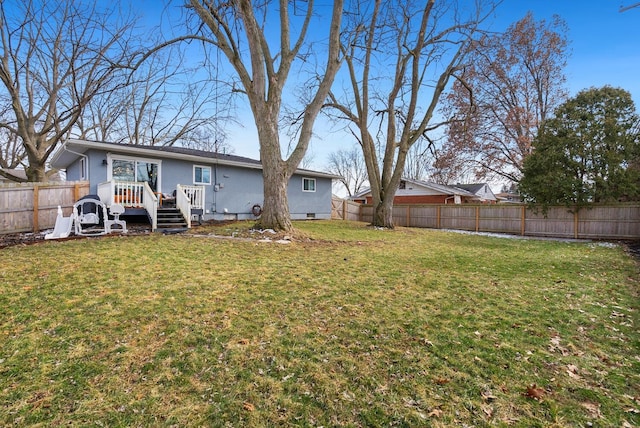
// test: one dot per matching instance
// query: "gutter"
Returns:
(82, 155)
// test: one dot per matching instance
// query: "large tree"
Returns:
(262, 54)
(585, 154)
(514, 82)
(400, 57)
(54, 58)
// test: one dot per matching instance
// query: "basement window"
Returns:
(308, 184)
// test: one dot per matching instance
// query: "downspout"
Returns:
(214, 208)
(86, 159)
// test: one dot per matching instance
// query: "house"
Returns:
(20, 173)
(422, 192)
(482, 191)
(152, 180)
(426, 192)
(509, 198)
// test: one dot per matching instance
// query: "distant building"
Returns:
(425, 192)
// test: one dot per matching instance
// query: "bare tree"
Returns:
(349, 165)
(400, 58)
(263, 65)
(496, 111)
(55, 57)
(166, 102)
(11, 155)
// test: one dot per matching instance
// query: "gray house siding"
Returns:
(233, 191)
(303, 204)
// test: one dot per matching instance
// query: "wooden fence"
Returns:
(597, 222)
(342, 209)
(31, 207)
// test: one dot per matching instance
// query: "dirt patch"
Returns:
(633, 248)
(30, 238)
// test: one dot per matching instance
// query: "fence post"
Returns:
(438, 217)
(36, 227)
(523, 211)
(408, 215)
(477, 218)
(575, 224)
(344, 209)
(76, 192)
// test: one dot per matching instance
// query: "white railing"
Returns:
(188, 198)
(150, 203)
(130, 194)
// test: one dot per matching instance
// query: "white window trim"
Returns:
(84, 174)
(210, 175)
(314, 184)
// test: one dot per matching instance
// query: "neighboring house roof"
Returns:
(20, 173)
(73, 148)
(509, 197)
(481, 190)
(427, 185)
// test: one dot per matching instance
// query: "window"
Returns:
(137, 170)
(201, 174)
(308, 184)
(83, 168)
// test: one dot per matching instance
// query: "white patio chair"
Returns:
(116, 210)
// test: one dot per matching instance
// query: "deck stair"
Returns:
(170, 220)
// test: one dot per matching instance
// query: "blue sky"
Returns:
(604, 47)
(604, 43)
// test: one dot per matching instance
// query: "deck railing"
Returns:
(130, 194)
(189, 198)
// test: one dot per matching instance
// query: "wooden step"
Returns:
(171, 218)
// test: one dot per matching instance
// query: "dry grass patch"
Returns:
(348, 327)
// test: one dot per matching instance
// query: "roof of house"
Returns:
(74, 148)
(20, 173)
(440, 188)
(475, 188)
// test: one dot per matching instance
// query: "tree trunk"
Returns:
(383, 214)
(36, 171)
(275, 214)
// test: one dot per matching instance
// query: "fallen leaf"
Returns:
(534, 392)
(593, 409)
(441, 381)
(487, 411)
(243, 341)
(248, 406)
(435, 413)
(488, 396)
(572, 371)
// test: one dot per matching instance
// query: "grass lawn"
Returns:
(351, 327)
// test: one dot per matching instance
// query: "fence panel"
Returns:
(500, 218)
(30, 207)
(620, 221)
(559, 222)
(458, 217)
(597, 222)
(424, 216)
(343, 209)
